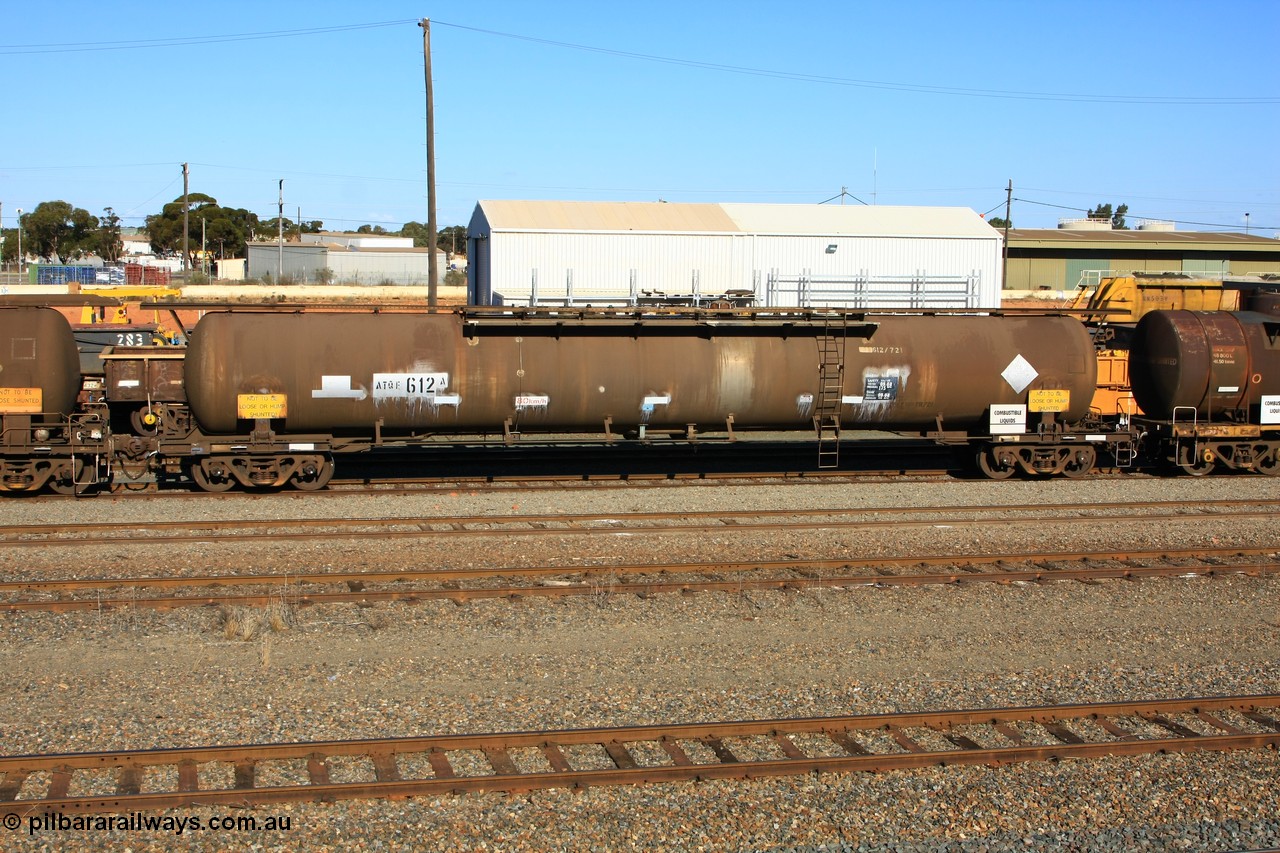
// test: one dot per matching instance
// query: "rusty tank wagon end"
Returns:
(46, 438)
(1209, 383)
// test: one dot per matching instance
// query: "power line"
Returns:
(881, 84)
(1005, 94)
(1131, 214)
(185, 41)
(1131, 196)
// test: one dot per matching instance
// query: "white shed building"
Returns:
(563, 252)
(348, 259)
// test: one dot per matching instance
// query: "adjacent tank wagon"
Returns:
(39, 364)
(45, 438)
(1209, 385)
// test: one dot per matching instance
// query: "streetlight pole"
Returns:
(280, 244)
(19, 243)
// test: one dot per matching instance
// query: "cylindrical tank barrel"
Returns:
(39, 362)
(1264, 301)
(1209, 361)
(454, 373)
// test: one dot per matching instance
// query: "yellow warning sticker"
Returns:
(21, 401)
(253, 406)
(1049, 400)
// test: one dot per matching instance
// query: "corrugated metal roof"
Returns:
(860, 220)
(605, 216)
(1190, 239)
(799, 219)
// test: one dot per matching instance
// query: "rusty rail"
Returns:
(31, 535)
(132, 780)
(602, 579)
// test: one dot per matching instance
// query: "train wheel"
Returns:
(211, 475)
(995, 465)
(1081, 462)
(314, 473)
(1196, 461)
(65, 477)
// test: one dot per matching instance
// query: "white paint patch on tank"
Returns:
(649, 403)
(804, 405)
(425, 408)
(338, 388)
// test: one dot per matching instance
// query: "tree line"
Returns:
(1102, 211)
(56, 229)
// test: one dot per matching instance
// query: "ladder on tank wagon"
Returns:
(826, 412)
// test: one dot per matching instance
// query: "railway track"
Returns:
(433, 584)
(177, 532)
(248, 775)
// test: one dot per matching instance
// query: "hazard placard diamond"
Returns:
(1019, 374)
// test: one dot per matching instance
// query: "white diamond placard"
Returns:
(1019, 374)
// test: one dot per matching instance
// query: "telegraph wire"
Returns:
(1134, 215)
(1003, 94)
(186, 41)
(877, 84)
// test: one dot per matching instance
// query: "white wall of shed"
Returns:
(302, 263)
(382, 267)
(885, 259)
(601, 265)
(296, 261)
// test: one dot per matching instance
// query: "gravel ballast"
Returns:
(202, 676)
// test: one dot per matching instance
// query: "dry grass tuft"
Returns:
(248, 623)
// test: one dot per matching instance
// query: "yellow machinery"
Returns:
(1125, 298)
(128, 294)
(1120, 301)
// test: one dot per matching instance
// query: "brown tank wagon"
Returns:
(44, 437)
(39, 364)
(330, 378)
(1209, 382)
(1213, 363)
(450, 373)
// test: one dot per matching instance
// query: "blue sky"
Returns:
(1170, 107)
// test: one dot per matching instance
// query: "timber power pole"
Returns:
(1004, 263)
(186, 216)
(432, 264)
